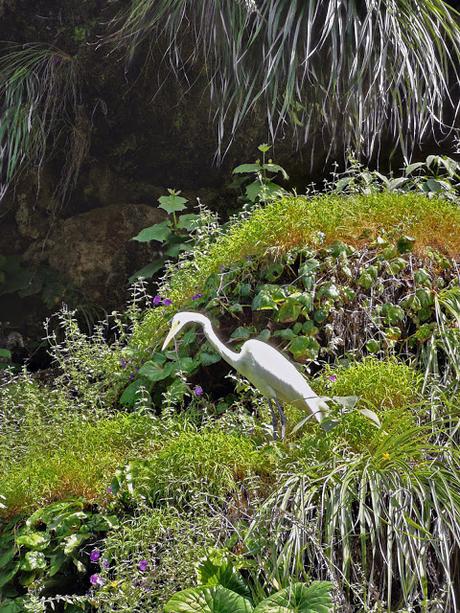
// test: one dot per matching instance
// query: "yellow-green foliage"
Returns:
(209, 462)
(77, 459)
(299, 221)
(379, 384)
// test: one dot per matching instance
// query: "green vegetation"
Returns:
(271, 57)
(149, 472)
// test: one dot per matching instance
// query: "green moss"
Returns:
(198, 466)
(75, 459)
(379, 384)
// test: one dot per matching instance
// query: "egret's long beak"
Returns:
(171, 334)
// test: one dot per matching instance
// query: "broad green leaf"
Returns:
(304, 348)
(242, 333)
(290, 310)
(6, 556)
(174, 250)
(73, 542)
(172, 203)
(158, 232)
(347, 402)
(9, 574)
(129, 396)
(298, 598)
(211, 573)
(415, 166)
(277, 169)
(405, 244)
(35, 540)
(246, 168)
(253, 190)
(33, 560)
(5, 354)
(207, 358)
(216, 599)
(153, 372)
(147, 271)
(187, 221)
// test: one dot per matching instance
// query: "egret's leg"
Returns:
(274, 419)
(282, 419)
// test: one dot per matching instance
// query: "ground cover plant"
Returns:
(147, 480)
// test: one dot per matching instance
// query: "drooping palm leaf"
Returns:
(348, 71)
(38, 98)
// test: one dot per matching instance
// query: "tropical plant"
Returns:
(382, 521)
(54, 547)
(172, 233)
(361, 70)
(39, 98)
(222, 589)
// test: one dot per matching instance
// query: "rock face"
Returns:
(94, 251)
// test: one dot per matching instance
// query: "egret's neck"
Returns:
(227, 354)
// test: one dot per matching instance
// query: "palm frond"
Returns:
(349, 72)
(38, 97)
(384, 526)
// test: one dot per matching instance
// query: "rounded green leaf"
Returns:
(216, 599)
(158, 232)
(298, 598)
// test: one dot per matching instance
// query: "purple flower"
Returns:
(105, 564)
(198, 390)
(143, 565)
(95, 555)
(131, 376)
(332, 378)
(197, 296)
(167, 302)
(109, 490)
(96, 580)
(123, 363)
(156, 300)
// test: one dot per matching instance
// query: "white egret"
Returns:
(265, 367)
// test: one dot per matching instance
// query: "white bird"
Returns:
(265, 367)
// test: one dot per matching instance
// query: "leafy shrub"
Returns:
(153, 555)
(51, 550)
(192, 469)
(379, 384)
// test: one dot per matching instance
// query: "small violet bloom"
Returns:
(143, 565)
(95, 555)
(105, 564)
(167, 302)
(333, 378)
(197, 296)
(109, 490)
(198, 390)
(131, 376)
(123, 363)
(156, 300)
(96, 580)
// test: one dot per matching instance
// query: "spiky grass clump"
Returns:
(39, 97)
(361, 70)
(382, 521)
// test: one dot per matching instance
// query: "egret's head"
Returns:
(179, 321)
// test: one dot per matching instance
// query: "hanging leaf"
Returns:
(246, 169)
(148, 271)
